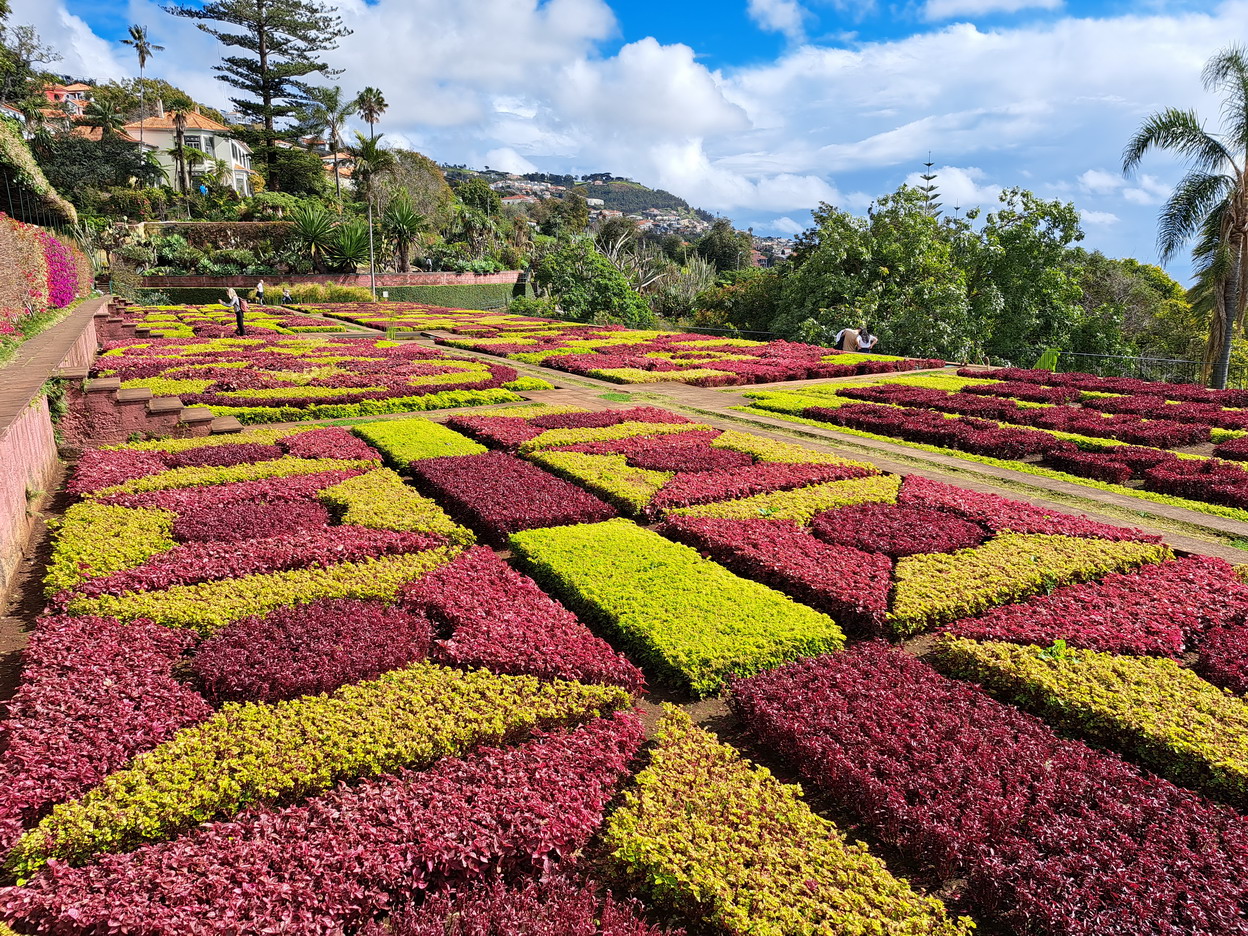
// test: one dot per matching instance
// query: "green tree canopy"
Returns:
(279, 42)
(725, 247)
(588, 288)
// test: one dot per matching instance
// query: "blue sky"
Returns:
(757, 109)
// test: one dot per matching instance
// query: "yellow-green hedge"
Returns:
(99, 539)
(803, 503)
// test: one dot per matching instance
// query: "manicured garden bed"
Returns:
(219, 321)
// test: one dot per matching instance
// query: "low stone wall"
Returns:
(384, 280)
(29, 459)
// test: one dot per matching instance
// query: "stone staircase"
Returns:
(100, 412)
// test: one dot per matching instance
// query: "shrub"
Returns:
(404, 441)
(604, 418)
(1150, 708)
(499, 619)
(256, 753)
(301, 549)
(552, 438)
(773, 450)
(999, 513)
(223, 456)
(1096, 465)
(1223, 658)
(803, 503)
(381, 501)
(1051, 836)
(522, 384)
(198, 477)
(434, 400)
(689, 489)
(690, 619)
(706, 833)
(210, 606)
(940, 587)
(333, 864)
(627, 489)
(94, 693)
(317, 647)
(98, 469)
(896, 531)
(556, 906)
(499, 494)
(95, 540)
(1153, 610)
(333, 442)
(270, 490)
(259, 521)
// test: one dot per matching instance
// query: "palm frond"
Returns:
(1227, 72)
(1184, 213)
(1179, 131)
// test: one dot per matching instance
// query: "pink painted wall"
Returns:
(28, 454)
(508, 277)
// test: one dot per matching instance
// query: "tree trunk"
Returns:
(1230, 310)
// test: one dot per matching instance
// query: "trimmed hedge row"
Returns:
(1052, 837)
(849, 585)
(937, 588)
(94, 693)
(1156, 609)
(552, 438)
(499, 494)
(255, 753)
(690, 619)
(708, 834)
(442, 399)
(210, 606)
(1149, 708)
(515, 809)
(630, 490)
(896, 531)
(97, 540)
(773, 450)
(404, 441)
(286, 467)
(803, 503)
(492, 616)
(380, 500)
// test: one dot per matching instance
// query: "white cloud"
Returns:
(782, 16)
(960, 188)
(935, 10)
(1100, 182)
(1098, 218)
(785, 225)
(1150, 191)
(507, 159)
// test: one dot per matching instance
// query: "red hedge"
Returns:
(1224, 656)
(558, 906)
(498, 494)
(344, 858)
(222, 456)
(271, 490)
(505, 432)
(896, 531)
(499, 619)
(98, 469)
(1051, 836)
(94, 693)
(706, 487)
(1000, 514)
(850, 585)
(1158, 609)
(333, 442)
(604, 418)
(302, 549)
(312, 648)
(257, 520)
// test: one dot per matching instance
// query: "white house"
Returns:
(201, 133)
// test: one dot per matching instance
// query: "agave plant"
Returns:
(314, 231)
(349, 251)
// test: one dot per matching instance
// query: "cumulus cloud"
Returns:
(784, 226)
(960, 187)
(1100, 182)
(782, 16)
(1098, 218)
(1149, 191)
(507, 159)
(949, 9)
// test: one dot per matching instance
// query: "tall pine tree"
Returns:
(279, 42)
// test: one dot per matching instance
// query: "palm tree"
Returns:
(327, 112)
(102, 114)
(402, 224)
(370, 161)
(144, 50)
(370, 105)
(1211, 201)
(179, 149)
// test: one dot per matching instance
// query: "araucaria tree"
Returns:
(279, 43)
(1210, 203)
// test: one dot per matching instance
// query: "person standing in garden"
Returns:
(846, 339)
(260, 293)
